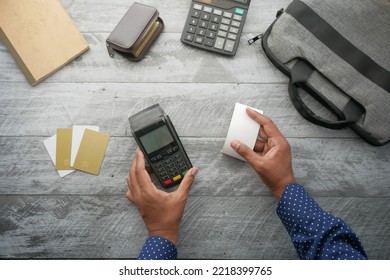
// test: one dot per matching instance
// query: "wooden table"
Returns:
(230, 213)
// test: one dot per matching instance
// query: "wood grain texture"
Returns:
(90, 18)
(327, 167)
(197, 109)
(168, 60)
(230, 213)
(68, 226)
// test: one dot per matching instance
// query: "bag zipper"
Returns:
(254, 39)
(260, 36)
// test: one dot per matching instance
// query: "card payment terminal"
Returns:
(158, 140)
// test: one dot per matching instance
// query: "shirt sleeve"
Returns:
(158, 248)
(315, 233)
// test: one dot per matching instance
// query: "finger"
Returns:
(187, 181)
(259, 146)
(129, 196)
(244, 151)
(132, 181)
(270, 128)
(143, 177)
(262, 134)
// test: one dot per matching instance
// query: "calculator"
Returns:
(215, 25)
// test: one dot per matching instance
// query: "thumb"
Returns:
(186, 183)
(244, 151)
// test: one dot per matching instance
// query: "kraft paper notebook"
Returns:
(40, 35)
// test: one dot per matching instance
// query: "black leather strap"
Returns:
(300, 73)
(339, 44)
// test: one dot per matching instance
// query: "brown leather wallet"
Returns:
(135, 32)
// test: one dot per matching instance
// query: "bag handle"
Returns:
(300, 73)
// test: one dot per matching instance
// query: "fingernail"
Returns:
(194, 171)
(235, 144)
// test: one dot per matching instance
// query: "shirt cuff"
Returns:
(158, 248)
(315, 233)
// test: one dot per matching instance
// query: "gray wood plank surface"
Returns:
(230, 213)
(327, 167)
(66, 226)
(197, 109)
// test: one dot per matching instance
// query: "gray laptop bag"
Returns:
(338, 51)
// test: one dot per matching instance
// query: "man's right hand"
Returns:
(271, 157)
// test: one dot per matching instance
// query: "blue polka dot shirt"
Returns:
(315, 234)
(158, 248)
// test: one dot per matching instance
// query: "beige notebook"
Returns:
(40, 36)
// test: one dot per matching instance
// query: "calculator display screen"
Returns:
(156, 139)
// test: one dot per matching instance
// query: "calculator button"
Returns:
(222, 33)
(215, 19)
(237, 17)
(219, 43)
(227, 14)
(189, 37)
(209, 42)
(198, 40)
(207, 9)
(239, 11)
(233, 30)
(229, 46)
(194, 22)
(195, 14)
(213, 27)
(235, 23)
(210, 34)
(191, 30)
(217, 12)
(201, 32)
(206, 17)
(223, 27)
(203, 24)
(232, 36)
(225, 21)
(198, 7)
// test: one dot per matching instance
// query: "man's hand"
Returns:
(161, 211)
(271, 158)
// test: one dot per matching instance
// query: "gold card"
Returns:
(63, 148)
(91, 152)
